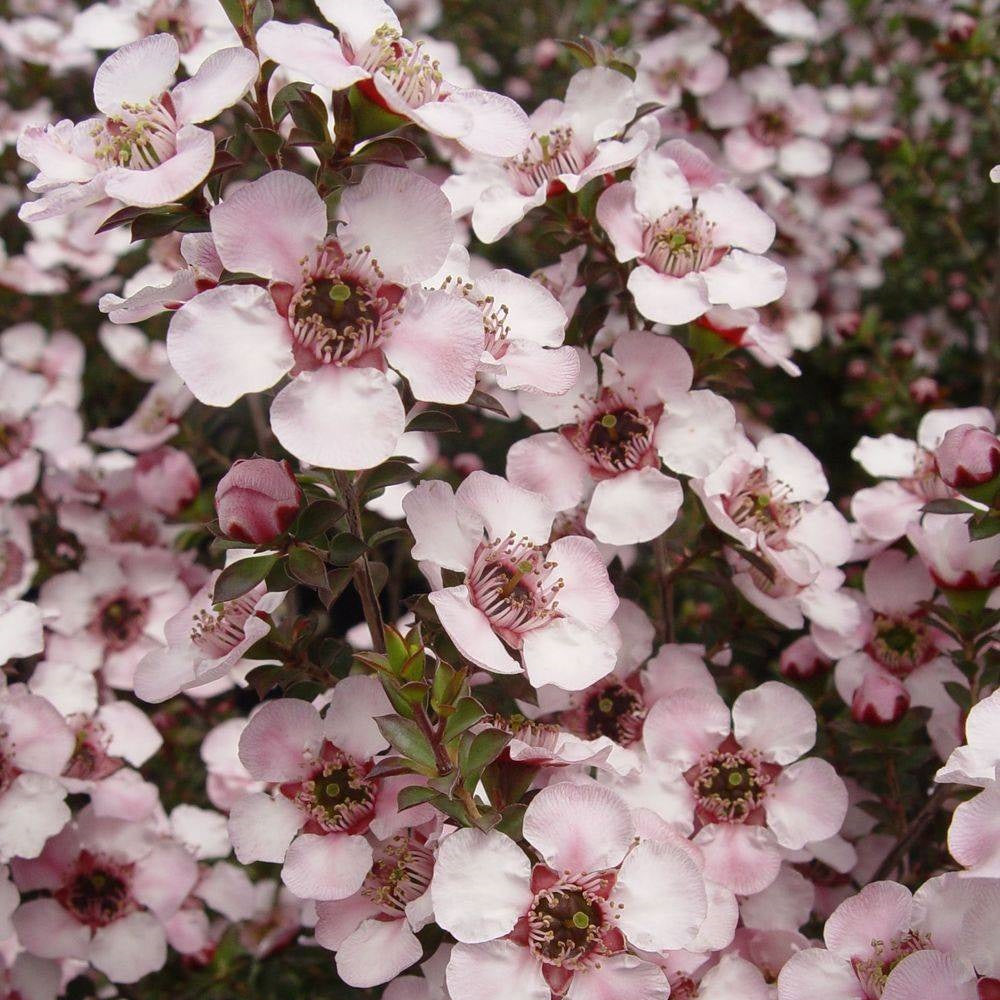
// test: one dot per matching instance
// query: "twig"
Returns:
(917, 826)
(666, 581)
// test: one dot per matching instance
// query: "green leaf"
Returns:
(959, 694)
(512, 821)
(264, 679)
(406, 737)
(415, 795)
(242, 576)
(266, 140)
(482, 750)
(487, 402)
(263, 11)
(387, 474)
(305, 565)
(317, 518)
(982, 528)
(346, 549)
(397, 533)
(380, 575)
(234, 11)
(467, 713)
(432, 421)
(947, 506)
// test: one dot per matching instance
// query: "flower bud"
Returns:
(989, 989)
(880, 700)
(968, 456)
(166, 479)
(257, 499)
(924, 390)
(802, 660)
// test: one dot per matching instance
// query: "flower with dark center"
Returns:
(568, 921)
(99, 891)
(615, 437)
(120, 620)
(901, 644)
(91, 760)
(873, 972)
(338, 797)
(761, 506)
(15, 439)
(216, 631)
(401, 873)
(770, 126)
(615, 711)
(546, 156)
(680, 242)
(729, 785)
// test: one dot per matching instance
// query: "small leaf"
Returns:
(379, 573)
(387, 474)
(959, 694)
(512, 821)
(317, 518)
(467, 713)
(982, 528)
(407, 739)
(263, 11)
(415, 795)
(483, 749)
(266, 140)
(432, 421)
(947, 506)
(242, 576)
(396, 533)
(487, 402)
(346, 549)
(306, 566)
(264, 679)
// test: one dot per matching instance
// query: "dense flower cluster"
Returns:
(635, 687)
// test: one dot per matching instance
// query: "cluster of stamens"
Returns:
(15, 438)
(400, 873)
(615, 437)
(121, 619)
(12, 561)
(495, 315)
(873, 972)
(338, 798)
(763, 507)
(568, 921)
(414, 74)
(729, 785)
(901, 644)
(140, 137)
(216, 632)
(681, 241)
(512, 583)
(91, 760)
(544, 158)
(770, 126)
(615, 711)
(99, 891)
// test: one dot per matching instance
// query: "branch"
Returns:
(917, 826)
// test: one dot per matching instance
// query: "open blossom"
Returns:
(323, 803)
(773, 123)
(333, 313)
(523, 603)
(739, 785)
(396, 73)
(146, 148)
(567, 923)
(682, 60)
(696, 242)
(572, 142)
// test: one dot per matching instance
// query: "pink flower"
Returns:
(146, 148)
(955, 561)
(738, 787)
(551, 604)
(333, 313)
(107, 887)
(155, 420)
(166, 479)
(395, 73)
(58, 357)
(526, 932)
(614, 437)
(682, 60)
(257, 499)
(324, 802)
(772, 123)
(227, 779)
(697, 242)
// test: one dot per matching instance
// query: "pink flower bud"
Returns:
(881, 700)
(961, 28)
(802, 660)
(257, 499)
(924, 390)
(968, 456)
(166, 479)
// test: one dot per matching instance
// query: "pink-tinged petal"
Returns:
(569, 655)
(261, 827)
(32, 809)
(229, 341)
(137, 73)
(495, 969)
(934, 425)
(440, 536)
(797, 468)
(656, 368)
(665, 299)
(49, 931)
(339, 418)
(815, 974)
(619, 218)
(745, 154)
(660, 186)
(498, 208)
(21, 621)
(552, 411)
(664, 898)
(133, 737)
(310, 52)
(805, 157)
(135, 308)
(163, 879)
(36, 736)
(163, 673)
(481, 121)
(379, 950)
(696, 433)
(634, 507)
(620, 977)
(887, 455)
(974, 834)
(172, 179)
(222, 79)
(436, 345)
(730, 105)
(501, 508)
(579, 828)
(685, 725)
(537, 369)
(587, 594)
(826, 533)
(744, 279)
(338, 919)
(358, 20)
(354, 704)
(737, 219)
(675, 667)
(806, 802)
(882, 911)
(600, 102)
(269, 226)
(333, 866)
(776, 720)
(784, 905)
(403, 217)
(281, 739)
(745, 859)
(734, 977)
(895, 584)
(130, 948)
(977, 761)
(471, 631)
(885, 511)
(532, 312)
(930, 975)
(549, 465)
(481, 885)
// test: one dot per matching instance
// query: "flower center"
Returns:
(216, 633)
(90, 760)
(681, 241)
(566, 923)
(140, 137)
(729, 785)
(12, 560)
(615, 438)
(15, 439)
(544, 158)
(414, 74)
(495, 315)
(873, 972)
(401, 872)
(338, 797)
(901, 644)
(511, 583)
(615, 711)
(762, 507)
(121, 620)
(99, 892)
(770, 126)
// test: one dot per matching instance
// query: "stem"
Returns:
(261, 430)
(917, 826)
(469, 802)
(666, 582)
(441, 758)
(362, 571)
(260, 104)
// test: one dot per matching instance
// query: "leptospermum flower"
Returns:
(106, 887)
(523, 603)
(146, 148)
(571, 143)
(739, 786)
(614, 437)
(394, 72)
(682, 60)
(324, 803)
(696, 242)
(956, 562)
(333, 313)
(566, 924)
